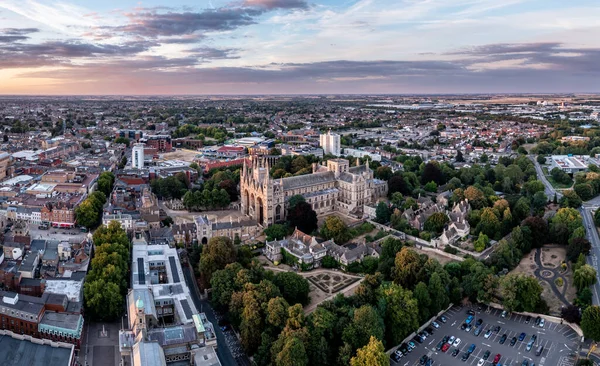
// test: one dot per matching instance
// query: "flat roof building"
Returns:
(18, 350)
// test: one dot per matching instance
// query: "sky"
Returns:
(176, 47)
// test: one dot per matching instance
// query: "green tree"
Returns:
(335, 228)
(436, 222)
(489, 224)
(401, 312)
(481, 243)
(408, 264)
(577, 247)
(585, 276)
(122, 140)
(219, 252)
(275, 232)
(373, 354)
(293, 287)
(292, 354)
(382, 213)
(476, 197)
(590, 323)
(277, 312)
(103, 299)
(366, 323)
(520, 293)
(303, 217)
(294, 200)
(87, 215)
(570, 199)
(437, 293)
(423, 298)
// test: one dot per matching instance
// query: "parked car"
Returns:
(455, 352)
(504, 313)
(429, 330)
(478, 330)
(513, 341)
(463, 326)
(468, 328)
(497, 329)
(537, 320)
(451, 340)
(411, 346)
(522, 336)
(525, 363)
(496, 359)
(503, 338)
(470, 312)
(527, 319)
(471, 348)
(481, 362)
(529, 345)
(439, 346)
(487, 334)
(479, 321)
(542, 322)
(395, 357)
(435, 325)
(445, 347)
(423, 359)
(486, 355)
(465, 356)
(418, 338)
(456, 342)
(469, 319)
(443, 319)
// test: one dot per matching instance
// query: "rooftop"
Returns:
(17, 352)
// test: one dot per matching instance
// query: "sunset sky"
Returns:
(298, 46)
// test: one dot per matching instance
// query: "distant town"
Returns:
(300, 230)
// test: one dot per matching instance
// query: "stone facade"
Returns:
(336, 187)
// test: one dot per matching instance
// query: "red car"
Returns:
(445, 347)
(496, 359)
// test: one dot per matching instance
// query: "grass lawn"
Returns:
(557, 185)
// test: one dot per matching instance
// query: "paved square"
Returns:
(104, 356)
(559, 341)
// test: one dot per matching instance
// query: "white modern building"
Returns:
(361, 154)
(137, 156)
(568, 163)
(330, 143)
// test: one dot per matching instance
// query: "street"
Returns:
(592, 258)
(550, 191)
(204, 306)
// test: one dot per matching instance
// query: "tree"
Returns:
(432, 172)
(421, 294)
(520, 292)
(103, 299)
(481, 243)
(222, 283)
(476, 197)
(383, 173)
(431, 187)
(366, 323)
(585, 276)
(436, 222)
(275, 232)
(373, 354)
(576, 247)
(303, 217)
(294, 200)
(571, 314)
(541, 159)
(408, 264)
(570, 199)
(277, 312)
(437, 293)
(539, 200)
(401, 312)
(292, 354)
(584, 190)
(398, 184)
(538, 227)
(590, 323)
(597, 217)
(87, 215)
(382, 213)
(335, 228)
(122, 140)
(294, 288)
(459, 157)
(564, 223)
(219, 252)
(489, 223)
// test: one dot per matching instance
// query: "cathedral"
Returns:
(335, 187)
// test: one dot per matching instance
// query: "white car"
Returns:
(451, 340)
(456, 342)
(487, 334)
(542, 323)
(435, 325)
(481, 362)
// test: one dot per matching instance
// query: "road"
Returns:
(223, 351)
(592, 259)
(550, 191)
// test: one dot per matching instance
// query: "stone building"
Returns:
(336, 187)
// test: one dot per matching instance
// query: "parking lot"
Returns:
(560, 342)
